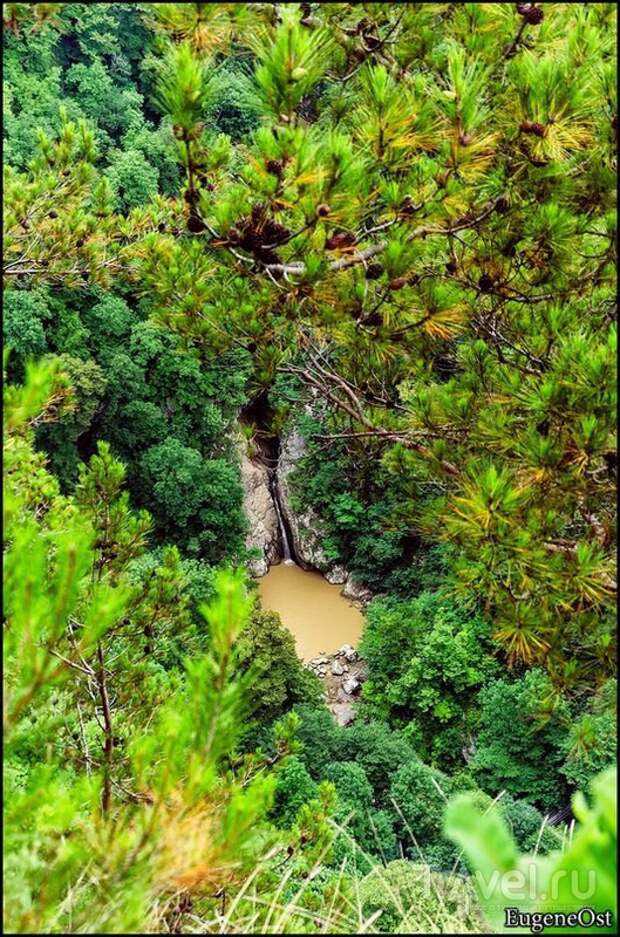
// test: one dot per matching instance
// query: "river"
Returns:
(320, 619)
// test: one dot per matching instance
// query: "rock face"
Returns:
(263, 531)
(306, 527)
(355, 591)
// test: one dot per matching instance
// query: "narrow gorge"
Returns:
(319, 603)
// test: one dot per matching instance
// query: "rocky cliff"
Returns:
(306, 527)
(263, 533)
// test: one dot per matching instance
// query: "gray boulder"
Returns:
(336, 575)
(349, 653)
(343, 713)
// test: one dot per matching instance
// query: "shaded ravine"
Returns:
(315, 612)
(285, 542)
(291, 571)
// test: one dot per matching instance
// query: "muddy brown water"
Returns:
(320, 619)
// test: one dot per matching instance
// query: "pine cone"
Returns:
(257, 213)
(523, 8)
(252, 241)
(274, 167)
(502, 205)
(273, 231)
(52, 214)
(266, 256)
(323, 209)
(451, 266)
(406, 206)
(371, 41)
(485, 283)
(465, 139)
(195, 224)
(374, 271)
(340, 240)
(534, 16)
(397, 283)
(529, 126)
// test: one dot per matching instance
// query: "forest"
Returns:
(325, 291)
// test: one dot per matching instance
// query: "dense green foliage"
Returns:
(165, 414)
(279, 679)
(551, 880)
(389, 229)
(427, 660)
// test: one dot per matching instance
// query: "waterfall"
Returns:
(286, 547)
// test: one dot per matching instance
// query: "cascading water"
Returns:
(287, 556)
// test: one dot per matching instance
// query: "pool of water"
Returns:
(319, 617)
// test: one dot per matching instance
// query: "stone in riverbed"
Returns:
(337, 668)
(351, 686)
(343, 713)
(348, 652)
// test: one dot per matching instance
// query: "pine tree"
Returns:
(156, 818)
(462, 213)
(440, 236)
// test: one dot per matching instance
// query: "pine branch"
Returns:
(299, 268)
(327, 382)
